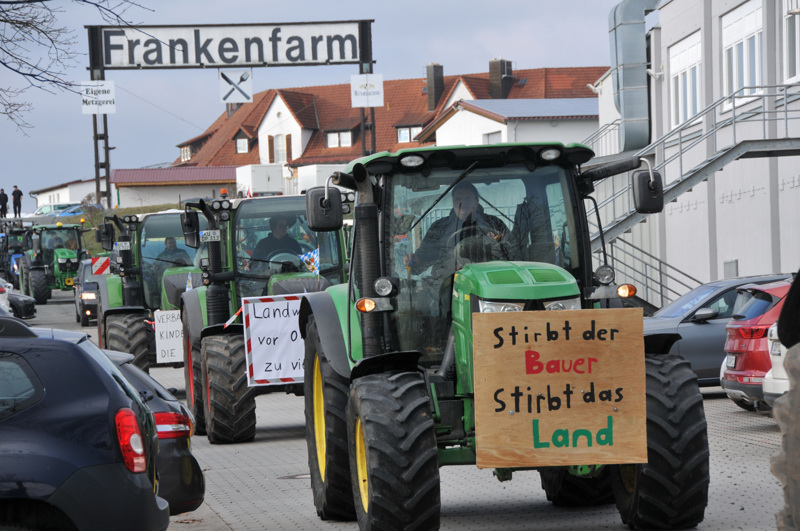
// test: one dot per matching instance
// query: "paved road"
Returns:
(264, 484)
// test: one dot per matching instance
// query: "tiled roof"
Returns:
(174, 176)
(323, 109)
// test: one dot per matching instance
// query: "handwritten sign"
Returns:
(274, 348)
(169, 336)
(556, 388)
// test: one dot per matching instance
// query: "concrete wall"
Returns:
(136, 196)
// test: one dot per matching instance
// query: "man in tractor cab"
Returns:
(277, 241)
(466, 220)
(171, 256)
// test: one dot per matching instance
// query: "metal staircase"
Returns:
(761, 121)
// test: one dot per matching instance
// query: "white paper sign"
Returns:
(366, 90)
(169, 336)
(98, 97)
(274, 348)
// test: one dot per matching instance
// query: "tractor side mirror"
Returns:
(648, 193)
(105, 236)
(324, 215)
(190, 223)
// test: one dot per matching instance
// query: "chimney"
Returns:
(501, 78)
(435, 85)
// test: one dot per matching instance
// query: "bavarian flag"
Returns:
(311, 260)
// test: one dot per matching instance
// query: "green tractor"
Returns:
(15, 239)
(151, 267)
(457, 250)
(52, 261)
(253, 250)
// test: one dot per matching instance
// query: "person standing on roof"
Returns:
(3, 203)
(16, 196)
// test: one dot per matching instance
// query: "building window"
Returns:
(406, 134)
(742, 44)
(186, 153)
(242, 145)
(340, 139)
(280, 148)
(684, 67)
(792, 39)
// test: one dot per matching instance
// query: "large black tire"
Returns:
(127, 332)
(566, 490)
(193, 379)
(670, 491)
(230, 403)
(39, 289)
(394, 463)
(786, 465)
(25, 275)
(326, 431)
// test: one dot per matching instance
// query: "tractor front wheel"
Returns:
(192, 378)
(394, 463)
(39, 289)
(25, 275)
(230, 403)
(129, 332)
(326, 431)
(567, 490)
(670, 491)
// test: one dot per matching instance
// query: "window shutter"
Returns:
(271, 149)
(288, 148)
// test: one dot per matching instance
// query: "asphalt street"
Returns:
(265, 485)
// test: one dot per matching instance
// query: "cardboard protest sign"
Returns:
(274, 348)
(169, 336)
(555, 388)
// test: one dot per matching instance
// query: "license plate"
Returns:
(774, 348)
(731, 361)
(209, 236)
(123, 246)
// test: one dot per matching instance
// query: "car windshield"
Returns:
(445, 219)
(686, 302)
(272, 236)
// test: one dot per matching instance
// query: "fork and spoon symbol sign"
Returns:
(235, 85)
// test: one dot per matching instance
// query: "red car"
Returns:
(747, 346)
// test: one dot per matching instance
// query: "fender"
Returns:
(660, 343)
(329, 328)
(192, 312)
(220, 329)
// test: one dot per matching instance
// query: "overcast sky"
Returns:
(158, 109)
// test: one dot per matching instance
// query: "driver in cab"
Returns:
(467, 219)
(277, 241)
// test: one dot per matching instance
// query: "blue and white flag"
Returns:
(311, 260)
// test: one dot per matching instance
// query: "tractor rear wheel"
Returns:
(230, 403)
(25, 275)
(566, 490)
(786, 465)
(39, 289)
(326, 431)
(670, 491)
(192, 378)
(394, 463)
(128, 332)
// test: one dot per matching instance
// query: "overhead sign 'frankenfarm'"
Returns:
(291, 44)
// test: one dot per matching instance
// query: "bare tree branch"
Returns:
(40, 51)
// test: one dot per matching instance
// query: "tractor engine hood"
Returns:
(501, 280)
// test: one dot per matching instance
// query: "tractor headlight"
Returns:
(604, 275)
(563, 304)
(386, 287)
(62, 260)
(499, 306)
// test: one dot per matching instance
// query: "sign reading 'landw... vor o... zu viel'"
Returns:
(274, 348)
(559, 388)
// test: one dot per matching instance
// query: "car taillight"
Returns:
(130, 440)
(173, 425)
(753, 332)
(2, 290)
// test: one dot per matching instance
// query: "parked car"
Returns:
(86, 293)
(747, 348)
(180, 479)
(78, 444)
(77, 210)
(700, 317)
(776, 381)
(4, 296)
(21, 306)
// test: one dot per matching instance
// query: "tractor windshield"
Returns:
(272, 236)
(451, 218)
